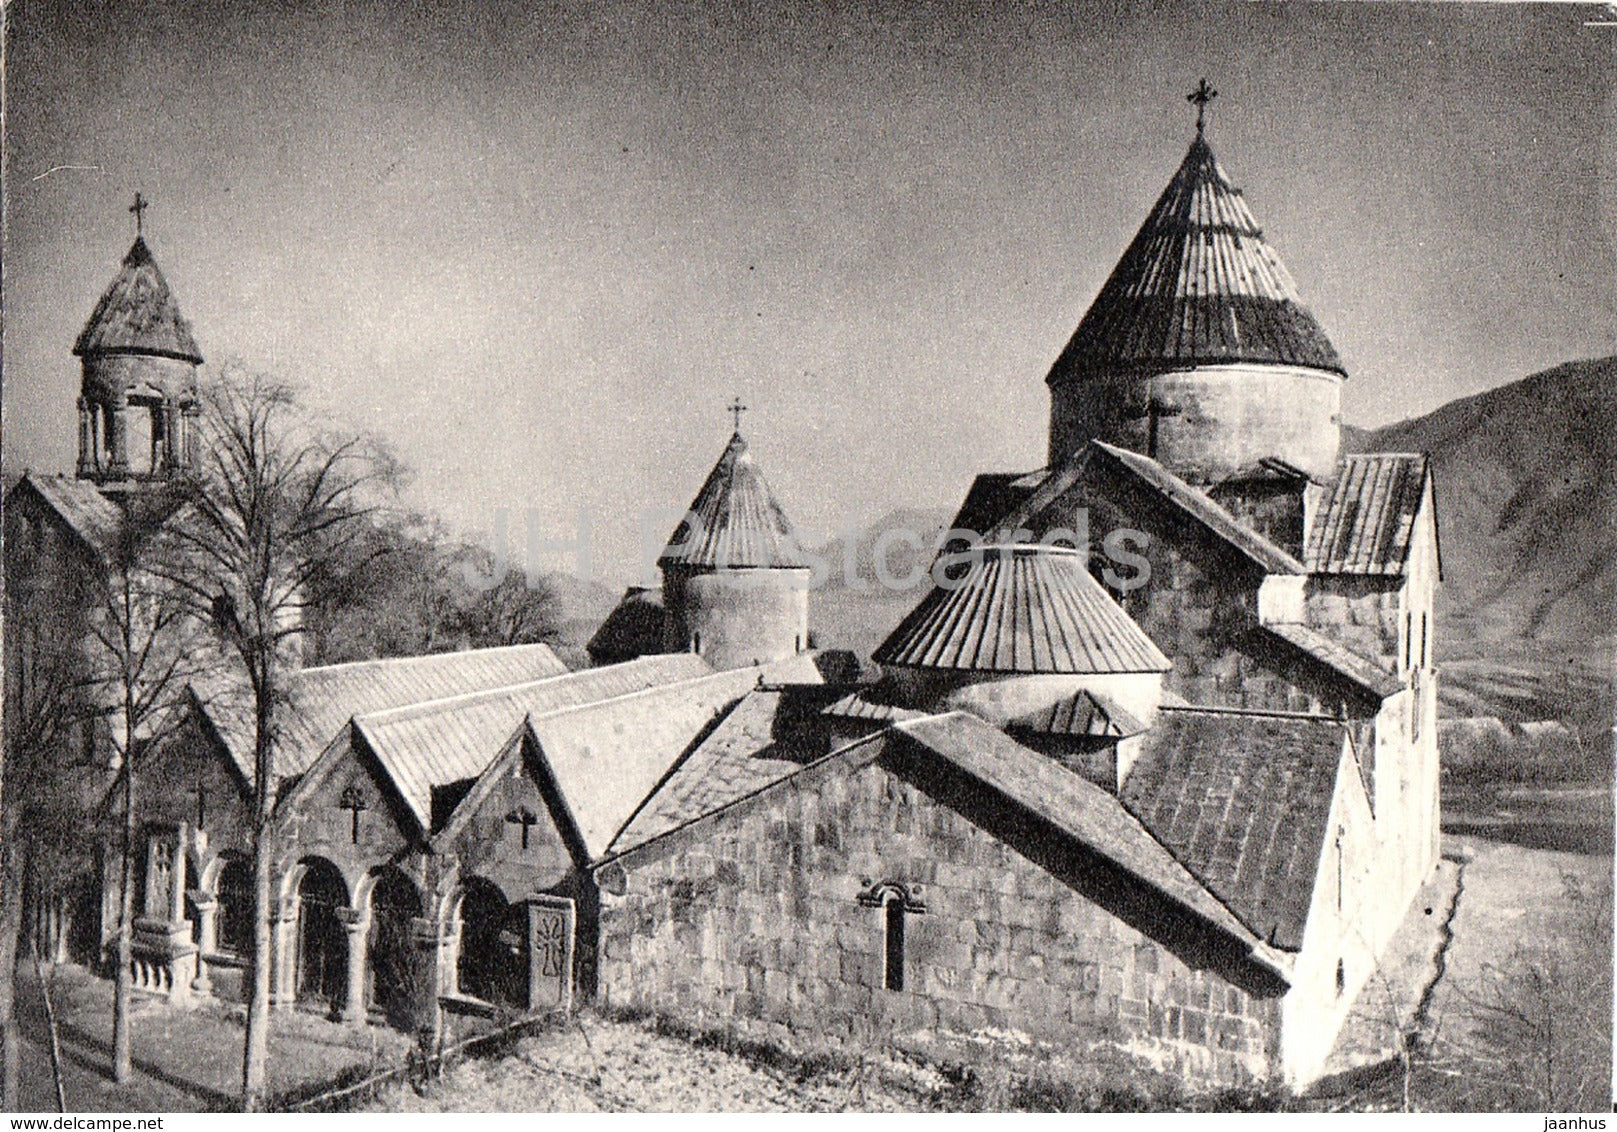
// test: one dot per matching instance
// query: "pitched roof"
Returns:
(741, 523)
(608, 757)
(743, 755)
(323, 699)
(1368, 520)
(1068, 801)
(1159, 483)
(1360, 670)
(1025, 609)
(1088, 713)
(1198, 284)
(429, 745)
(137, 314)
(992, 495)
(1242, 801)
(83, 509)
(864, 705)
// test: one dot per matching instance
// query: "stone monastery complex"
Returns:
(1180, 821)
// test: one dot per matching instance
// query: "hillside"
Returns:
(1524, 498)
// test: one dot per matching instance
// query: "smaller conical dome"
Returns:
(742, 525)
(137, 315)
(1023, 609)
(1198, 285)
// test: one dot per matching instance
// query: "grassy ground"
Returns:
(187, 1059)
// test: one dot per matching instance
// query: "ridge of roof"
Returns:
(1080, 810)
(1205, 510)
(1197, 285)
(1360, 670)
(742, 524)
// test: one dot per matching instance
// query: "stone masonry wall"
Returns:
(755, 923)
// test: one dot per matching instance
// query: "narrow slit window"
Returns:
(1341, 977)
(893, 949)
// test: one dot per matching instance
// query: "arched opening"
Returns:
(322, 940)
(493, 963)
(233, 917)
(390, 960)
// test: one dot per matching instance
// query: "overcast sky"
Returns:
(540, 246)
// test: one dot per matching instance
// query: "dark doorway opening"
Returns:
(493, 962)
(233, 915)
(322, 938)
(391, 959)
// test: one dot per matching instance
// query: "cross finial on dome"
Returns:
(139, 209)
(736, 408)
(1201, 96)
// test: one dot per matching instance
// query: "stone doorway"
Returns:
(322, 940)
(494, 951)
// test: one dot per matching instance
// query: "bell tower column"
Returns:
(87, 452)
(118, 437)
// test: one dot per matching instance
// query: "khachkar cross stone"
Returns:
(735, 409)
(139, 209)
(524, 817)
(1201, 96)
(353, 800)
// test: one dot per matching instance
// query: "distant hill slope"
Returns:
(1528, 522)
(1524, 497)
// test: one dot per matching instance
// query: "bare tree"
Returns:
(517, 610)
(143, 636)
(275, 500)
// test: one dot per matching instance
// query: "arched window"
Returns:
(233, 926)
(896, 905)
(893, 942)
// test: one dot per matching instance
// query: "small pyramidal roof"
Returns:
(742, 524)
(1198, 285)
(1024, 608)
(137, 314)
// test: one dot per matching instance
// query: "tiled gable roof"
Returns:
(744, 754)
(1360, 670)
(1069, 802)
(1086, 713)
(430, 745)
(88, 514)
(607, 758)
(323, 699)
(137, 314)
(1023, 609)
(741, 523)
(1158, 483)
(1367, 522)
(1198, 285)
(1242, 800)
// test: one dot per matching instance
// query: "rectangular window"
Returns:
(893, 951)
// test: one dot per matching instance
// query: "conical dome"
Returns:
(137, 315)
(1198, 285)
(742, 525)
(1023, 609)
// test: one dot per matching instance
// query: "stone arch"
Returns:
(322, 939)
(492, 963)
(393, 965)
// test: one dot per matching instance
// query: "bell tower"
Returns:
(138, 394)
